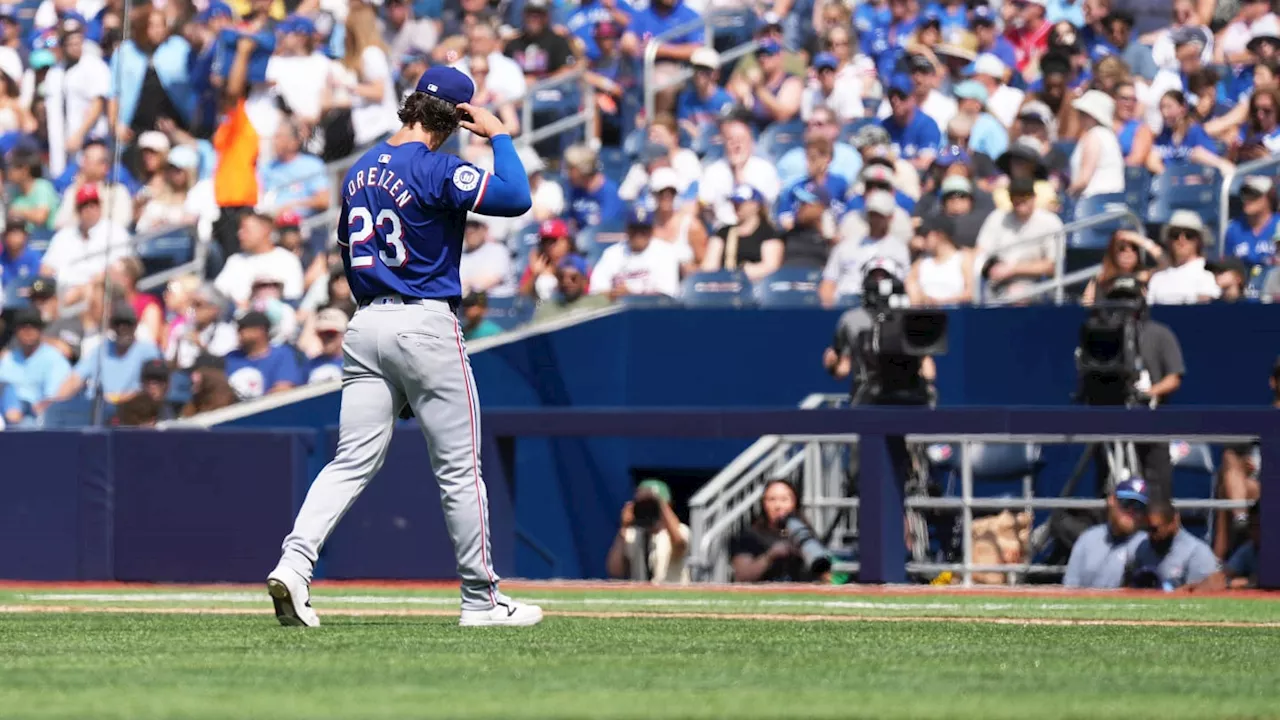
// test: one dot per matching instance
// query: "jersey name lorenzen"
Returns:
(380, 178)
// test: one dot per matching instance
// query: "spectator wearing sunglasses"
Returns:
(1250, 237)
(914, 135)
(1102, 553)
(1186, 281)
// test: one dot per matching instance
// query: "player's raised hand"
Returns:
(481, 121)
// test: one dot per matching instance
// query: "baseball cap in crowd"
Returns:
(657, 487)
(1134, 489)
(154, 140)
(1037, 111)
(289, 220)
(553, 229)
(1186, 35)
(1264, 30)
(641, 217)
(869, 135)
(183, 157)
(982, 15)
(42, 46)
(155, 371)
(768, 46)
(608, 30)
(771, 20)
(27, 317)
(9, 13)
(825, 61)
(331, 320)
(705, 57)
(575, 262)
(1228, 263)
(1259, 184)
(970, 90)
(663, 178)
(951, 155)
(880, 202)
(746, 193)
(991, 66)
(254, 319)
(877, 173)
(901, 83)
(1097, 105)
(71, 23)
(214, 11)
(920, 63)
(1184, 220)
(87, 194)
(448, 84)
(956, 185)
(812, 193)
(123, 315)
(297, 25)
(42, 288)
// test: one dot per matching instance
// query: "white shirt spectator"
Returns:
(76, 259)
(653, 271)
(718, 182)
(1186, 284)
(636, 184)
(68, 95)
(490, 259)
(1235, 37)
(506, 79)
(218, 339)
(1004, 104)
(299, 80)
(1004, 237)
(849, 256)
(372, 119)
(237, 276)
(658, 561)
(1108, 175)
(845, 99)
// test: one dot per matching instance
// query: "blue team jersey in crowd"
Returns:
(324, 367)
(118, 375)
(1126, 136)
(1253, 248)
(648, 24)
(836, 187)
(403, 212)
(582, 23)
(867, 18)
(591, 209)
(692, 107)
(953, 19)
(21, 270)
(920, 133)
(1172, 151)
(253, 377)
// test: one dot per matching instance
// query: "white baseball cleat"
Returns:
(291, 594)
(506, 613)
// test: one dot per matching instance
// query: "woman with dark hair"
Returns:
(1260, 135)
(153, 65)
(752, 245)
(209, 391)
(764, 552)
(1123, 258)
(1183, 140)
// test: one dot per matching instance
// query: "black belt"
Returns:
(453, 302)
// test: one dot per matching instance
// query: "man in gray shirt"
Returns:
(1103, 552)
(1170, 557)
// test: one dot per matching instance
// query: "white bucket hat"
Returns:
(1097, 105)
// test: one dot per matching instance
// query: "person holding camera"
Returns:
(652, 544)
(779, 546)
(1169, 557)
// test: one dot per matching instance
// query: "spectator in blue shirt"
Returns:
(953, 15)
(846, 163)
(915, 136)
(1170, 557)
(119, 374)
(660, 17)
(1250, 236)
(983, 22)
(293, 180)
(583, 22)
(1182, 140)
(19, 264)
(817, 153)
(593, 198)
(870, 15)
(1103, 553)
(987, 135)
(704, 101)
(257, 367)
(1240, 571)
(331, 326)
(1120, 39)
(32, 369)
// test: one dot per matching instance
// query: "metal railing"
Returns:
(652, 88)
(1061, 280)
(1229, 180)
(819, 466)
(529, 135)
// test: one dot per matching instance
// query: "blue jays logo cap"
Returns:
(983, 15)
(745, 192)
(9, 12)
(825, 61)
(451, 86)
(1132, 489)
(213, 11)
(641, 217)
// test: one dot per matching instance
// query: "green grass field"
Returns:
(164, 652)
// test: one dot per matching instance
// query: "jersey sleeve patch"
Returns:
(466, 178)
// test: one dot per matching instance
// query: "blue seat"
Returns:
(167, 249)
(38, 239)
(1193, 477)
(778, 138)
(510, 312)
(614, 163)
(1184, 186)
(1096, 236)
(709, 145)
(722, 288)
(1137, 189)
(789, 288)
(990, 461)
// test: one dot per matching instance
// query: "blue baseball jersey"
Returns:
(836, 187)
(254, 377)
(1173, 151)
(1255, 248)
(403, 212)
(919, 135)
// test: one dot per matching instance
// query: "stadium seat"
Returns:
(614, 163)
(166, 249)
(38, 240)
(1185, 186)
(778, 138)
(1193, 477)
(510, 312)
(722, 288)
(1096, 236)
(789, 288)
(1137, 189)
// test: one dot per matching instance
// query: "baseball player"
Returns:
(404, 208)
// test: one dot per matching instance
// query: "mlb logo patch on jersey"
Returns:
(384, 158)
(466, 178)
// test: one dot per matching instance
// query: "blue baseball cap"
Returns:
(1132, 489)
(299, 25)
(71, 22)
(952, 155)
(812, 192)
(215, 10)
(768, 46)
(983, 15)
(9, 12)
(931, 16)
(641, 216)
(825, 61)
(902, 82)
(448, 84)
(574, 261)
(745, 192)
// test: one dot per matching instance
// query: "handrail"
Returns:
(1229, 178)
(1059, 282)
(651, 57)
(530, 95)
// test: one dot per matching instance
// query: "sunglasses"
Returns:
(1185, 235)
(1132, 506)
(1127, 98)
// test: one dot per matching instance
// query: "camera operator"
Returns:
(1126, 358)
(779, 546)
(652, 543)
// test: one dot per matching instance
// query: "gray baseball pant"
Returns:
(396, 352)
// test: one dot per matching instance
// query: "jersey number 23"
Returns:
(361, 226)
